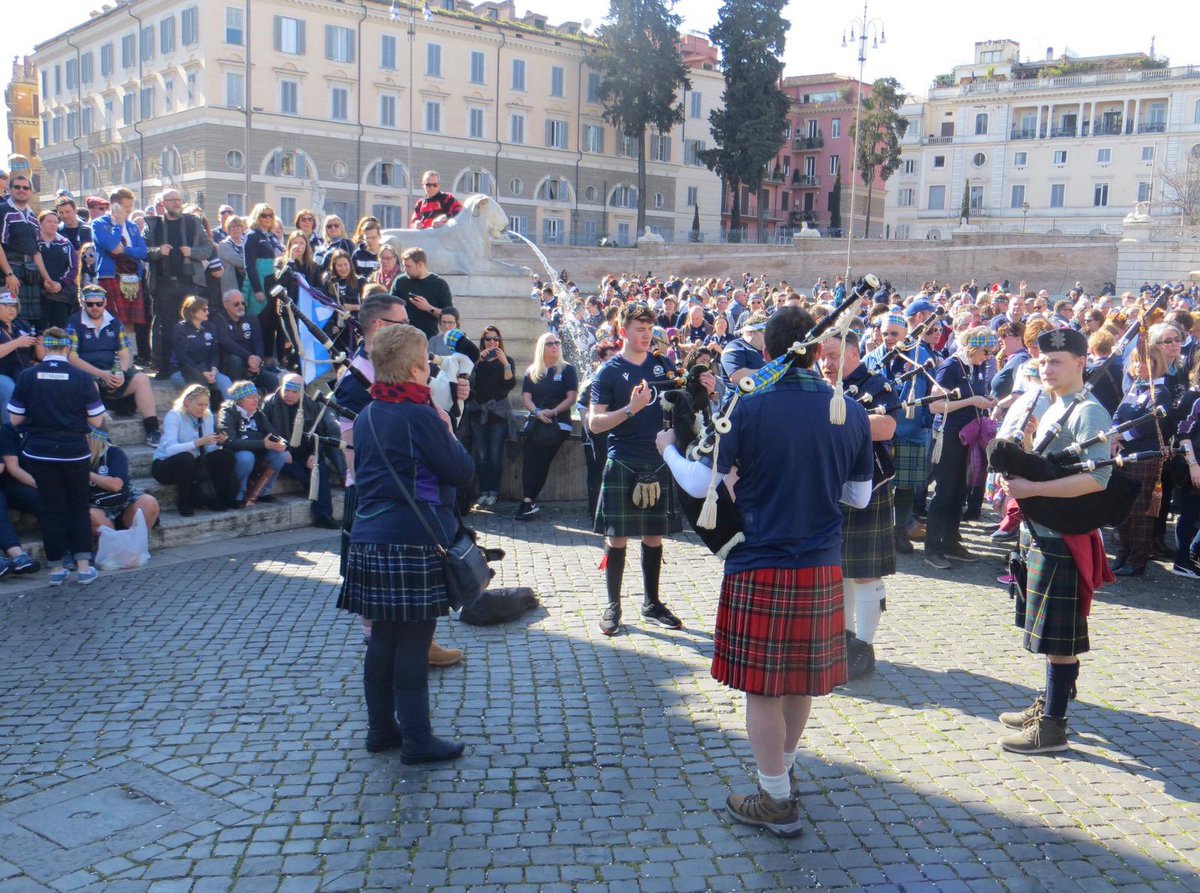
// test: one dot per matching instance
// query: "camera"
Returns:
(274, 438)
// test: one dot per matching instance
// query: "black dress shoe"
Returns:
(1128, 570)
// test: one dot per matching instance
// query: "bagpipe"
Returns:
(909, 344)
(927, 400)
(716, 518)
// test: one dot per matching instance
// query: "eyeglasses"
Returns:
(432, 185)
(333, 226)
(553, 343)
(21, 188)
(487, 338)
(238, 304)
(266, 216)
(395, 322)
(1170, 341)
(93, 303)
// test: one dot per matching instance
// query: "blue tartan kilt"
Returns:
(869, 538)
(388, 581)
(30, 295)
(1054, 620)
(912, 465)
(616, 515)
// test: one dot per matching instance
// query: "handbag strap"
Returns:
(399, 483)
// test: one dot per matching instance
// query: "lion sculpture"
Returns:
(464, 244)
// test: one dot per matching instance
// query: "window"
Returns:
(476, 181)
(906, 198)
(835, 128)
(433, 116)
(694, 105)
(835, 165)
(1148, 154)
(339, 43)
(235, 31)
(593, 88)
(72, 125)
(624, 197)
(389, 216)
(1143, 191)
(518, 75)
(939, 161)
(628, 146)
(234, 159)
(515, 223)
(385, 173)
(283, 164)
(691, 152)
(1103, 156)
(1100, 195)
(475, 124)
(191, 88)
(128, 48)
(981, 124)
(387, 110)
(433, 60)
(552, 231)
(477, 63)
(289, 35)
(979, 159)
(813, 132)
(235, 90)
(108, 114)
(593, 138)
(131, 170)
(86, 119)
(72, 74)
(85, 68)
(557, 81)
(58, 123)
(168, 96)
(516, 130)
(910, 165)
(189, 26)
(106, 60)
(289, 98)
(693, 196)
(1020, 159)
(989, 56)
(166, 35)
(45, 82)
(975, 198)
(1196, 113)
(591, 232)
(660, 148)
(234, 200)
(287, 208)
(387, 52)
(147, 103)
(1058, 195)
(127, 108)
(339, 104)
(515, 186)
(623, 235)
(937, 198)
(1060, 157)
(146, 42)
(659, 200)
(1018, 196)
(556, 133)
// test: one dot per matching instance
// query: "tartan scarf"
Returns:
(405, 392)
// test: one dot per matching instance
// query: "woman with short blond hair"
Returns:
(548, 393)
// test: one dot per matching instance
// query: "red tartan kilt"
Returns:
(130, 313)
(781, 632)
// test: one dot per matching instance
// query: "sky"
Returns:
(924, 37)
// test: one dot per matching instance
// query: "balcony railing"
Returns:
(939, 140)
(777, 176)
(1023, 135)
(1066, 81)
(809, 180)
(1056, 132)
(1152, 127)
(808, 143)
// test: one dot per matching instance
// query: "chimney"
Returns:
(1049, 54)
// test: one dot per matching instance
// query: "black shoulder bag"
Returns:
(464, 563)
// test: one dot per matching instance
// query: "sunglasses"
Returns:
(93, 303)
(553, 343)
(333, 226)
(432, 185)
(266, 216)
(21, 188)
(488, 338)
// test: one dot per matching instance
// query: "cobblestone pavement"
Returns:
(198, 726)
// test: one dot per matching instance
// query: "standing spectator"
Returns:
(448, 322)
(260, 251)
(56, 404)
(194, 350)
(249, 435)
(72, 228)
(548, 392)
(24, 273)
(19, 348)
(61, 262)
(389, 267)
(86, 267)
(393, 570)
(744, 355)
(100, 346)
(114, 503)
(489, 411)
(221, 232)
(368, 239)
(426, 294)
(177, 246)
(306, 222)
(121, 269)
(437, 208)
(190, 456)
(342, 283)
(232, 251)
(336, 238)
(303, 460)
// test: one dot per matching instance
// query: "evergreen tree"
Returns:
(877, 142)
(835, 204)
(642, 73)
(749, 127)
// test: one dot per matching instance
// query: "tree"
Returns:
(696, 222)
(1182, 188)
(877, 140)
(751, 124)
(641, 75)
(835, 204)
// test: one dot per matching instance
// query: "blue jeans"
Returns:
(7, 386)
(21, 497)
(244, 462)
(489, 445)
(322, 507)
(223, 383)
(1185, 527)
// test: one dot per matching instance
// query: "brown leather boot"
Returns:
(915, 530)
(904, 545)
(443, 657)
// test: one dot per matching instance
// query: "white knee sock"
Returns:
(778, 786)
(868, 608)
(849, 595)
(789, 759)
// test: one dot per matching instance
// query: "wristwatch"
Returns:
(628, 412)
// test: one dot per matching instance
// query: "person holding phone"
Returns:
(190, 456)
(488, 412)
(249, 435)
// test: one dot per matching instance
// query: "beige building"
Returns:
(1062, 144)
(24, 115)
(349, 102)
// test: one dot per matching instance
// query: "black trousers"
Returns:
(595, 454)
(950, 489)
(63, 512)
(535, 468)
(396, 667)
(168, 305)
(187, 471)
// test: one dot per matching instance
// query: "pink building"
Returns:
(800, 182)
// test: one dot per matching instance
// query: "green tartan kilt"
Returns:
(1054, 621)
(616, 515)
(869, 538)
(912, 465)
(29, 294)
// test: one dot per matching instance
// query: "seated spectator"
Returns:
(489, 413)
(240, 337)
(250, 436)
(101, 347)
(17, 491)
(744, 355)
(114, 503)
(195, 350)
(190, 456)
(290, 410)
(19, 348)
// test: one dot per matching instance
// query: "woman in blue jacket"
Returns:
(196, 352)
(394, 575)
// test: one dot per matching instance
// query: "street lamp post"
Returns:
(1024, 215)
(864, 25)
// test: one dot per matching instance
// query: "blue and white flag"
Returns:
(314, 357)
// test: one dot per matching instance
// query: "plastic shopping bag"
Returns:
(124, 548)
